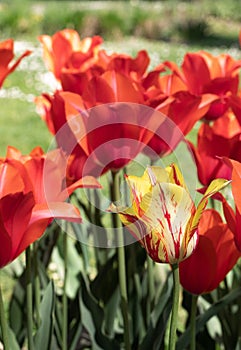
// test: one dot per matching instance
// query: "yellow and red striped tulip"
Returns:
(163, 216)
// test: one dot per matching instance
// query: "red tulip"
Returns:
(214, 256)
(183, 111)
(104, 137)
(169, 95)
(7, 65)
(134, 69)
(222, 139)
(233, 216)
(65, 49)
(32, 194)
(235, 105)
(158, 88)
(204, 73)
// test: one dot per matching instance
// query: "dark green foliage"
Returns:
(178, 21)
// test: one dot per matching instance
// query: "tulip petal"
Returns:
(55, 210)
(15, 214)
(215, 186)
(32, 234)
(236, 180)
(86, 181)
(141, 185)
(194, 275)
(213, 258)
(175, 175)
(168, 210)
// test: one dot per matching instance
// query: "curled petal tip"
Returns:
(112, 208)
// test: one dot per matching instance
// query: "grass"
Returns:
(21, 127)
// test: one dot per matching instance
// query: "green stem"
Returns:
(36, 285)
(3, 322)
(151, 287)
(174, 316)
(121, 262)
(65, 301)
(99, 242)
(193, 321)
(29, 293)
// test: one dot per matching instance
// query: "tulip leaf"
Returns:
(12, 339)
(159, 318)
(76, 332)
(136, 302)
(201, 320)
(16, 312)
(238, 345)
(74, 264)
(105, 283)
(93, 319)
(43, 336)
(76, 337)
(82, 249)
(110, 312)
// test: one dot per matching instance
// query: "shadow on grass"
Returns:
(214, 40)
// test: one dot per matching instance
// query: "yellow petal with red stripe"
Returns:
(168, 210)
(175, 175)
(215, 186)
(128, 218)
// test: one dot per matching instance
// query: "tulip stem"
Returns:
(121, 262)
(4, 326)
(193, 321)
(175, 303)
(65, 301)
(151, 286)
(36, 285)
(29, 292)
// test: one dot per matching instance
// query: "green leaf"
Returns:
(75, 325)
(159, 318)
(238, 345)
(92, 317)
(12, 339)
(110, 310)
(16, 312)
(43, 336)
(201, 320)
(106, 281)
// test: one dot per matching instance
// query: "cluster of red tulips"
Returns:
(205, 88)
(108, 109)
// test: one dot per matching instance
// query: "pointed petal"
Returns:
(84, 182)
(128, 217)
(215, 186)
(55, 210)
(236, 180)
(175, 175)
